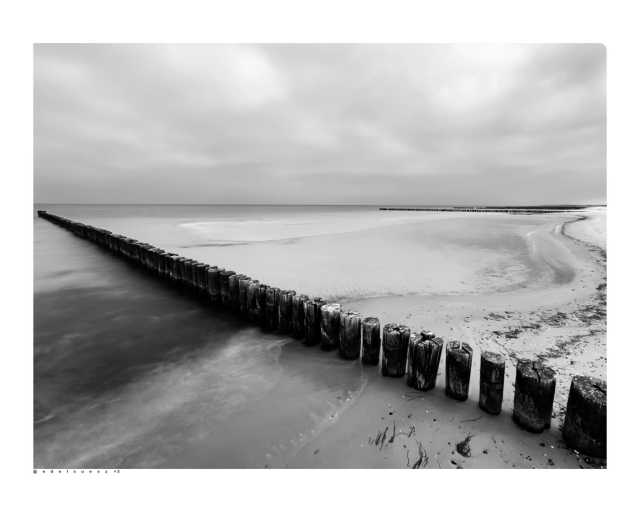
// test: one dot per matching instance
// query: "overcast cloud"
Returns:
(320, 124)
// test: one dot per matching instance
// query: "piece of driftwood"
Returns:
(458, 370)
(534, 392)
(585, 421)
(492, 366)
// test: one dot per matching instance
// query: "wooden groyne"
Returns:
(512, 211)
(418, 354)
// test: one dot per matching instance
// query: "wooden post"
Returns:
(217, 280)
(175, 268)
(285, 311)
(252, 300)
(224, 286)
(425, 352)
(243, 296)
(298, 313)
(186, 277)
(533, 400)
(458, 370)
(491, 381)
(350, 327)
(262, 305)
(272, 308)
(162, 261)
(194, 274)
(395, 343)
(151, 257)
(330, 326)
(182, 269)
(234, 291)
(202, 277)
(371, 341)
(585, 422)
(210, 286)
(312, 320)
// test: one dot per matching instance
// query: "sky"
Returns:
(377, 124)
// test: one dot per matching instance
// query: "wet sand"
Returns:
(563, 325)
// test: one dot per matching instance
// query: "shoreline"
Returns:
(562, 325)
(455, 316)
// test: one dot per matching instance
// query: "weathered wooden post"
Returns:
(262, 304)
(234, 291)
(243, 296)
(182, 269)
(210, 286)
(193, 282)
(585, 421)
(371, 341)
(201, 269)
(150, 254)
(168, 265)
(425, 352)
(458, 370)
(350, 326)
(224, 286)
(533, 400)
(252, 300)
(217, 282)
(312, 320)
(330, 326)
(491, 382)
(272, 306)
(285, 311)
(175, 268)
(142, 250)
(298, 313)
(186, 277)
(395, 343)
(162, 262)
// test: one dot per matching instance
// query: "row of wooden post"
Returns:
(416, 354)
(484, 210)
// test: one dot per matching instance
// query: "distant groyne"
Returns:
(394, 347)
(512, 210)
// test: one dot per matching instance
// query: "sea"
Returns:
(133, 372)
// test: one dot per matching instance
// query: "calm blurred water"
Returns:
(130, 371)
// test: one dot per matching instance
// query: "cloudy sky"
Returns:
(320, 124)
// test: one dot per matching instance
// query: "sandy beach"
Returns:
(563, 326)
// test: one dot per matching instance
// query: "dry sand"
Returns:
(562, 325)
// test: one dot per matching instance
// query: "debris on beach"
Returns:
(463, 447)
(423, 459)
